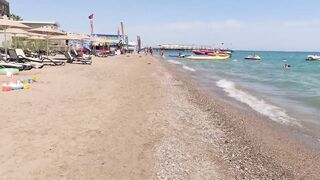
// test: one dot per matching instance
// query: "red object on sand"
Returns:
(6, 88)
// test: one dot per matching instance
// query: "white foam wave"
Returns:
(188, 68)
(174, 62)
(273, 112)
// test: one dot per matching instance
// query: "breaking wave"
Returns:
(188, 68)
(273, 112)
(174, 62)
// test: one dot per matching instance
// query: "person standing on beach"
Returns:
(161, 53)
(151, 51)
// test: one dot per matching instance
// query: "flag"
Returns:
(91, 23)
(122, 28)
(139, 43)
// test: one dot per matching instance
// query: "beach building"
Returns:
(111, 40)
(4, 8)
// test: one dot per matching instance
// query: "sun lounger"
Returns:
(19, 59)
(71, 59)
(11, 65)
(76, 55)
(43, 60)
(20, 66)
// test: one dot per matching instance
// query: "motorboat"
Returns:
(212, 51)
(217, 57)
(253, 57)
(202, 52)
(219, 54)
(313, 58)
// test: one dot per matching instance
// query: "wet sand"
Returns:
(136, 118)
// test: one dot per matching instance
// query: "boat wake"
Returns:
(188, 68)
(271, 111)
(174, 62)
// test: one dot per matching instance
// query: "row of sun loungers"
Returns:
(18, 59)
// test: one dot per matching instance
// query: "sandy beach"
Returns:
(137, 118)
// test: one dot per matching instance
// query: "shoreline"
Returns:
(262, 137)
(136, 117)
(306, 131)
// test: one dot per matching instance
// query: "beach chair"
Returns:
(20, 66)
(19, 59)
(71, 59)
(44, 60)
(76, 55)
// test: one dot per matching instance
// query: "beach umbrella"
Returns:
(5, 24)
(36, 37)
(68, 36)
(48, 31)
(17, 33)
(18, 37)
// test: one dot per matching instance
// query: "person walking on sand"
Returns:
(161, 53)
(151, 51)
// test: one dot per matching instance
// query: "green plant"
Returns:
(15, 17)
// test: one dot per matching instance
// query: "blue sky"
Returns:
(246, 24)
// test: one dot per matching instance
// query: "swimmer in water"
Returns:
(286, 66)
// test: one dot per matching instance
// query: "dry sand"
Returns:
(135, 118)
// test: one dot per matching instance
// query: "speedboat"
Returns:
(202, 52)
(313, 58)
(253, 57)
(217, 57)
(219, 54)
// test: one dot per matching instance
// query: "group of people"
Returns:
(149, 50)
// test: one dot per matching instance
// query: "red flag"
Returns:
(91, 17)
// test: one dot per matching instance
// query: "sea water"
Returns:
(287, 96)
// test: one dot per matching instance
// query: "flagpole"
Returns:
(91, 25)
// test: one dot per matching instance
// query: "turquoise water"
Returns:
(286, 96)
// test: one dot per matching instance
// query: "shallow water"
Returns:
(286, 96)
